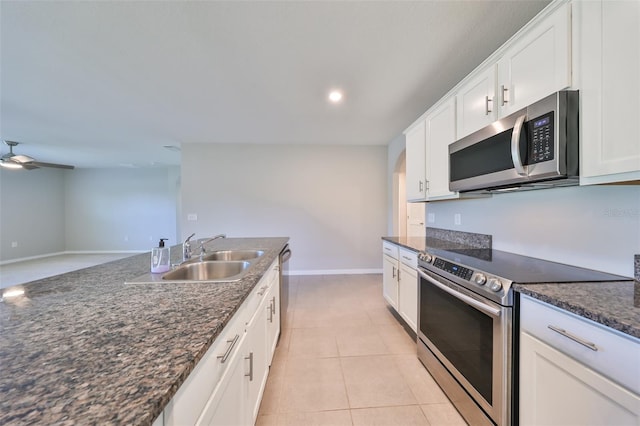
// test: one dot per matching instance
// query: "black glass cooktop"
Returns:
(521, 269)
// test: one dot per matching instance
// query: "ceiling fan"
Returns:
(13, 161)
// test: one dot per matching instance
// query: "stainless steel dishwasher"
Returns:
(285, 255)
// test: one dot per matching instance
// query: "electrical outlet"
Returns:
(457, 219)
(192, 217)
(431, 217)
(14, 244)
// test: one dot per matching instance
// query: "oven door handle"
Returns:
(489, 310)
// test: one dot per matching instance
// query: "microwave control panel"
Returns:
(541, 133)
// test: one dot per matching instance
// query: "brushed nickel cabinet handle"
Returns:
(486, 105)
(223, 358)
(573, 337)
(504, 91)
(250, 358)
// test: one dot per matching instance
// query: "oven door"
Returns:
(471, 337)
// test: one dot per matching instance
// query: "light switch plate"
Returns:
(457, 219)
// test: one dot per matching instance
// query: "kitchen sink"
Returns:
(233, 255)
(208, 271)
(215, 266)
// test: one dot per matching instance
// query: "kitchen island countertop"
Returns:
(84, 347)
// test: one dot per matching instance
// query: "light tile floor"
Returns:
(344, 359)
(35, 269)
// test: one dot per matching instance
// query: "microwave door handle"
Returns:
(515, 148)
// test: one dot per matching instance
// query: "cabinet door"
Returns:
(475, 102)
(256, 362)
(416, 168)
(557, 390)
(227, 406)
(537, 64)
(390, 280)
(273, 318)
(441, 131)
(609, 62)
(408, 296)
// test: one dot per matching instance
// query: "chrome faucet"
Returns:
(186, 248)
(203, 250)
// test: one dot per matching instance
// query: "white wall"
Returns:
(32, 212)
(394, 150)
(596, 227)
(330, 200)
(120, 209)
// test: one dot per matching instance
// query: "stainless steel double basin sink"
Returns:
(217, 266)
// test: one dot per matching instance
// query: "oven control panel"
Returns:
(452, 268)
(480, 279)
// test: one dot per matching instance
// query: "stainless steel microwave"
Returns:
(534, 148)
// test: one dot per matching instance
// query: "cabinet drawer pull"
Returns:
(576, 339)
(223, 358)
(270, 313)
(486, 105)
(504, 91)
(273, 305)
(262, 290)
(393, 275)
(420, 186)
(405, 257)
(250, 374)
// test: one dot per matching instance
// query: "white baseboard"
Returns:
(62, 253)
(106, 251)
(22, 259)
(336, 272)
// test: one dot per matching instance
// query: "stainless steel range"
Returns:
(467, 323)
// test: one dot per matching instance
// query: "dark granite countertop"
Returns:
(615, 304)
(86, 348)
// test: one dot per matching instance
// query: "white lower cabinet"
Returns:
(226, 386)
(400, 281)
(227, 404)
(408, 287)
(390, 280)
(574, 372)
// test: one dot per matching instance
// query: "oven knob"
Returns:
(480, 279)
(495, 284)
(425, 257)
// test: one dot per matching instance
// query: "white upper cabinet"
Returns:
(532, 65)
(476, 102)
(416, 167)
(536, 63)
(608, 58)
(440, 131)
(427, 151)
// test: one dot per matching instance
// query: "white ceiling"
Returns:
(104, 84)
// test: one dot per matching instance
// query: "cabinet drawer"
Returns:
(190, 399)
(409, 258)
(390, 249)
(616, 354)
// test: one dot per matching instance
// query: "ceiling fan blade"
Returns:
(35, 164)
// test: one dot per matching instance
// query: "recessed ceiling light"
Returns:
(335, 96)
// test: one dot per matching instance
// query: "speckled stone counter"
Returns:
(614, 304)
(86, 348)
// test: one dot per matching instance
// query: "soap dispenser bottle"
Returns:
(160, 261)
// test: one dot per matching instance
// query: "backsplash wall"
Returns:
(596, 227)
